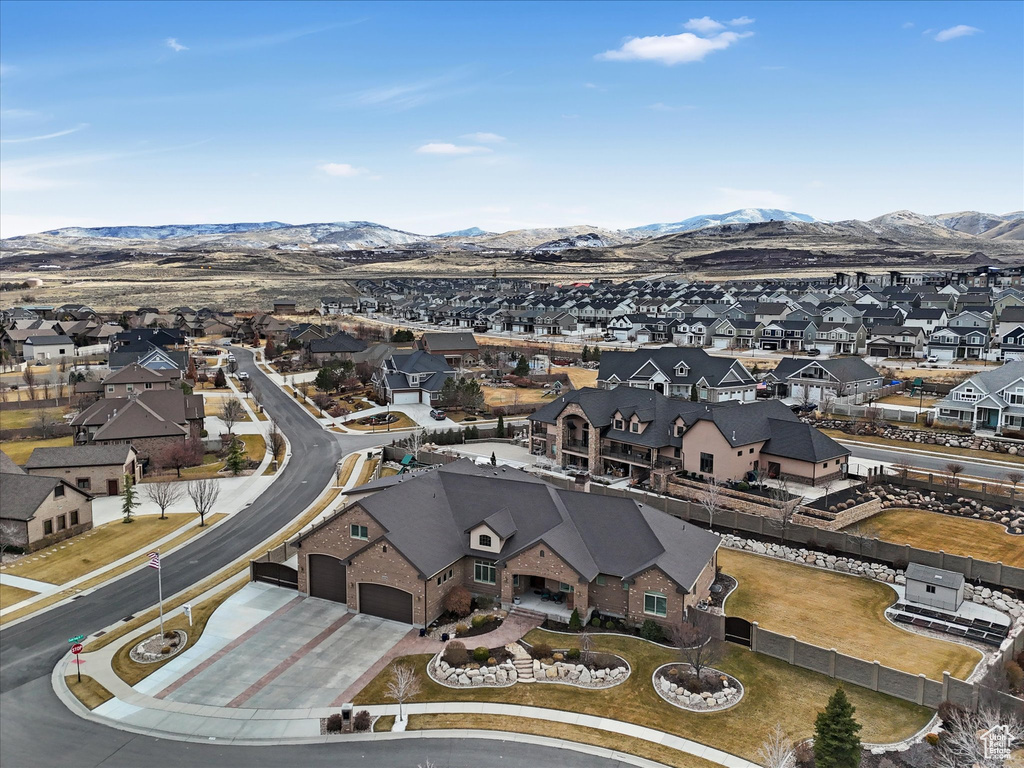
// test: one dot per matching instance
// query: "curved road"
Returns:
(36, 729)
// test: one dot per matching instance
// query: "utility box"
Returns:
(346, 718)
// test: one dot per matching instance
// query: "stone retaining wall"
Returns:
(571, 673)
(472, 675)
(926, 437)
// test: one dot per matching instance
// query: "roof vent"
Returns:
(734, 434)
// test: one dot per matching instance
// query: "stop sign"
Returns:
(76, 648)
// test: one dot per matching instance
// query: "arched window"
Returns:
(485, 540)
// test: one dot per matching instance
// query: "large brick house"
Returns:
(678, 372)
(506, 534)
(97, 469)
(458, 349)
(630, 432)
(39, 511)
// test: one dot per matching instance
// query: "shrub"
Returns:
(170, 634)
(481, 654)
(652, 630)
(742, 486)
(165, 650)
(932, 739)
(595, 622)
(458, 601)
(1014, 675)
(947, 710)
(557, 656)
(492, 662)
(461, 628)
(804, 754)
(479, 621)
(573, 654)
(484, 602)
(334, 723)
(575, 625)
(540, 651)
(609, 624)
(361, 721)
(455, 654)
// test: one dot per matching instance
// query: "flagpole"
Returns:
(160, 592)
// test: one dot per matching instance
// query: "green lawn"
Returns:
(835, 610)
(775, 692)
(29, 417)
(956, 535)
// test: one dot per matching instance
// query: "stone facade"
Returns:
(52, 510)
(96, 477)
(541, 560)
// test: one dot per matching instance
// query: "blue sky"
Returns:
(436, 116)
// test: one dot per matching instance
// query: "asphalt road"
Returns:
(36, 729)
(928, 463)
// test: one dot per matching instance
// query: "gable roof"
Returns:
(79, 456)
(796, 440)
(845, 369)
(465, 342)
(699, 365)
(22, 494)
(340, 342)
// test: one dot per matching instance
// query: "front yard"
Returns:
(835, 610)
(13, 595)
(401, 422)
(962, 536)
(775, 692)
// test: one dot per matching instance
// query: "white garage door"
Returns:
(402, 398)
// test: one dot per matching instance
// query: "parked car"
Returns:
(437, 414)
(932, 358)
(813, 352)
(804, 407)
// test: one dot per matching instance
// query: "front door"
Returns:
(112, 488)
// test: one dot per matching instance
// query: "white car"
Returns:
(932, 359)
(242, 376)
(230, 358)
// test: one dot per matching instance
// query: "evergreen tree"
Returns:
(270, 350)
(575, 624)
(220, 380)
(595, 354)
(494, 459)
(128, 500)
(236, 457)
(190, 373)
(586, 354)
(522, 367)
(836, 743)
(693, 393)
(500, 430)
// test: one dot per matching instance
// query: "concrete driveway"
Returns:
(272, 648)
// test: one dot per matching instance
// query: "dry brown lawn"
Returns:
(591, 736)
(90, 692)
(29, 417)
(513, 395)
(580, 377)
(13, 595)
(767, 681)
(835, 610)
(925, 402)
(962, 536)
(19, 450)
(404, 422)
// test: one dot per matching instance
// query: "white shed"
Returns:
(934, 587)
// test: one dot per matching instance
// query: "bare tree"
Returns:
(953, 469)
(179, 455)
(29, 377)
(204, 495)
(973, 739)
(785, 508)
(404, 685)
(4, 387)
(276, 441)
(760, 474)
(903, 467)
(44, 419)
(827, 485)
(698, 647)
(1014, 478)
(710, 498)
(46, 384)
(777, 751)
(586, 648)
(231, 413)
(163, 495)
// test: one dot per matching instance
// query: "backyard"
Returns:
(835, 610)
(31, 417)
(516, 395)
(19, 450)
(956, 535)
(769, 684)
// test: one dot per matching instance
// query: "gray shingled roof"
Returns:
(79, 456)
(427, 519)
(845, 369)
(338, 343)
(929, 575)
(21, 495)
(700, 365)
(8, 467)
(47, 341)
(796, 440)
(465, 342)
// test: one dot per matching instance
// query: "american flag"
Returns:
(154, 560)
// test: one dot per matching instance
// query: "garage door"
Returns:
(386, 602)
(327, 578)
(878, 351)
(404, 398)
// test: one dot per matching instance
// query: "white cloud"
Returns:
(58, 134)
(704, 26)
(174, 45)
(483, 137)
(730, 199)
(672, 49)
(342, 169)
(445, 148)
(742, 21)
(908, 25)
(960, 30)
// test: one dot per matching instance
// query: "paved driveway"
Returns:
(272, 648)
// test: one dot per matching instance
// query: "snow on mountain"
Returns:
(165, 231)
(471, 232)
(742, 216)
(589, 240)
(972, 222)
(525, 239)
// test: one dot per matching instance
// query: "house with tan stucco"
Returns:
(36, 512)
(508, 535)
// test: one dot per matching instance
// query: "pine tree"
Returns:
(522, 367)
(836, 743)
(270, 351)
(575, 624)
(586, 354)
(128, 500)
(220, 380)
(500, 430)
(236, 458)
(693, 393)
(494, 459)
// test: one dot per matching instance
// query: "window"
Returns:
(600, 581)
(110, 387)
(129, 387)
(751, 450)
(563, 587)
(451, 572)
(62, 522)
(515, 579)
(618, 424)
(439, 581)
(149, 385)
(485, 540)
(384, 549)
(359, 531)
(58, 491)
(707, 463)
(47, 527)
(84, 483)
(542, 553)
(634, 426)
(74, 516)
(739, 453)
(824, 464)
(655, 604)
(483, 572)
(929, 588)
